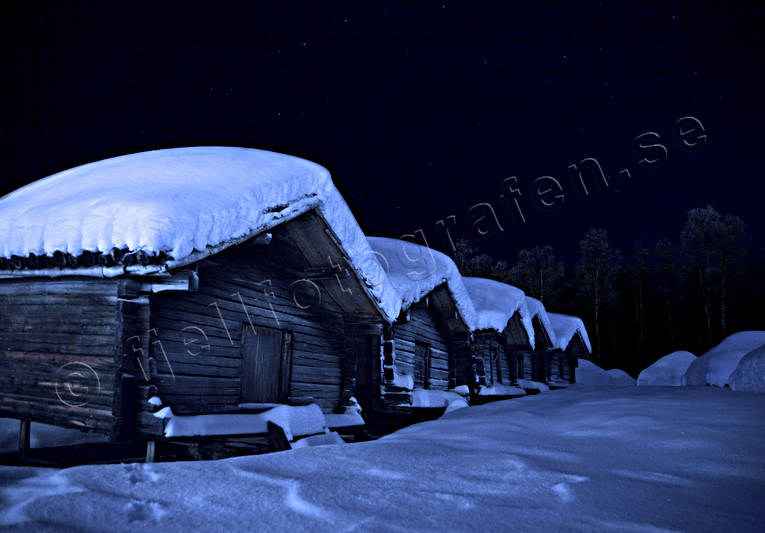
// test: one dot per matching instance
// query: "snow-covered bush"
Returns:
(667, 371)
(716, 366)
(750, 372)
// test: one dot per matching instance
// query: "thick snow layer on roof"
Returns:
(617, 459)
(667, 371)
(620, 378)
(496, 302)
(415, 270)
(716, 366)
(588, 373)
(750, 372)
(177, 201)
(565, 327)
(537, 309)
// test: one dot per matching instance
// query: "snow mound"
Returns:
(531, 384)
(565, 327)
(620, 377)
(496, 303)
(750, 372)
(716, 366)
(437, 398)
(589, 373)
(498, 389)
(322, 439)
(415, 270)
(178, 201)
(537, 309)
(667, 371)
(295, 421)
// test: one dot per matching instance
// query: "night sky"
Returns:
(419, 114)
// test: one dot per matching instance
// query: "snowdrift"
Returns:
(179, 201)
(667, 371)
(750, 372)
(716, 366)
(590, 374)
(620, 377)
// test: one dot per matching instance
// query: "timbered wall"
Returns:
(421, 327)
(576, 349)
(498, 365)
(362, 370)
(61, 353)
(198, 361)
(561, 365)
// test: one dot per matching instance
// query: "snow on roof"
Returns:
(415, 270)
(496, 303)
(565, 327)
(716, 366)
(177, 201)
(537, 309)
(667, 371)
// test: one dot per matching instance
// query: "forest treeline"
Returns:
(686, 291)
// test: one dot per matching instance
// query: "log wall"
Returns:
(61, 353)
(421, 327)
(499, 365)
(198, 359)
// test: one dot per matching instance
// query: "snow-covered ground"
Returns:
(643, 459)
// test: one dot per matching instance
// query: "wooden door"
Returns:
(496, 364)
(422, 364)
(265, 365)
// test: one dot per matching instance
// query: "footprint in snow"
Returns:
(142, 473)
(144, 511)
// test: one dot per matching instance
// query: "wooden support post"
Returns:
(151, 451)
(24, 436)
(277, 438)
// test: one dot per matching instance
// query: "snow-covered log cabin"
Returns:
(544, 342)
(503, 335)
(426, 351)
(206, 280)
(571, 343)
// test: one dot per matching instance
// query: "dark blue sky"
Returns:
(418, 113)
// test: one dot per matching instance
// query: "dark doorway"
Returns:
(422, 365)
(265, 365)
